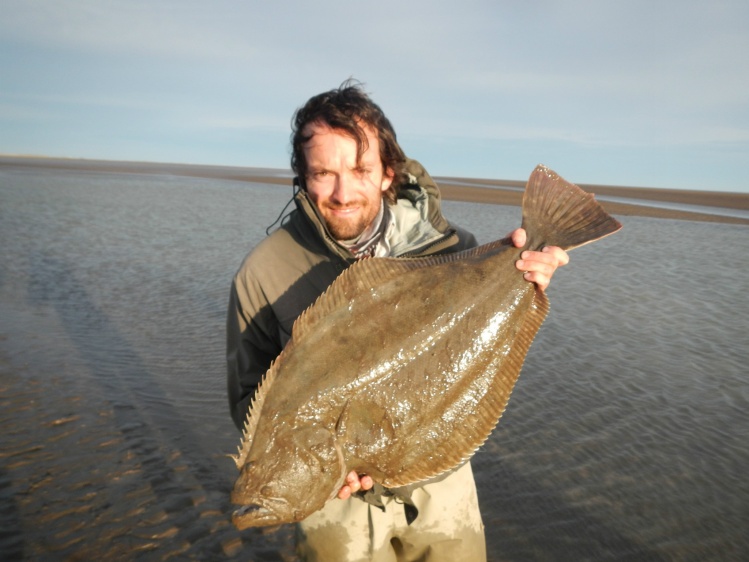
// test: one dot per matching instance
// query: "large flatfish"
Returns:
(403, 367)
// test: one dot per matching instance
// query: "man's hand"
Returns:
(538, 266)
(354, 483)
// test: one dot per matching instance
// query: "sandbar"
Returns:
(497, 192)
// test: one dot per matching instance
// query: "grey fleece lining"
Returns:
(410, 227)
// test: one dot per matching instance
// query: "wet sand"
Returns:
(498, 192)
(84, 480)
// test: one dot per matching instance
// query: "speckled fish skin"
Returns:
(403, 367)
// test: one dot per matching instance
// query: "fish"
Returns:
(403, 367)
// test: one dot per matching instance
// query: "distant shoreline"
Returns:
(498, 192)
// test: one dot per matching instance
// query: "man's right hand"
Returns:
(354, 483)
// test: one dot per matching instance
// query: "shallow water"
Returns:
(626, 437)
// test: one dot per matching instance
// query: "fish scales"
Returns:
(403, 367)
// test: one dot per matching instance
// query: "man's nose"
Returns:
(343, 190)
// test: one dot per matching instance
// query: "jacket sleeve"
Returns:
(250, 344)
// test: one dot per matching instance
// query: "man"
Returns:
(359, 197)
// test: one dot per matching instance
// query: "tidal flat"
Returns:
(625, 438)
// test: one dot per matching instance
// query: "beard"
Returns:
(349, 228)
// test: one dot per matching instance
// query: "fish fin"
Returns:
(253, 414)
(559, 213)
(461, 445)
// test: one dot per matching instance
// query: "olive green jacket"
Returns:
(284, 274)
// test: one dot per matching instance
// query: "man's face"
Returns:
(347, 194)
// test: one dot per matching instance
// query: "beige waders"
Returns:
(448, 527)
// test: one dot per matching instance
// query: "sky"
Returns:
(651, 93)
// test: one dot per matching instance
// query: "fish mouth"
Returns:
(253, 515)
(258, 512)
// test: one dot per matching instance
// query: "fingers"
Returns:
(354, 483)
(539, 267)
(518, 237)
(366, 482)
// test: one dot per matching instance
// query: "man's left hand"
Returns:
(538, 267)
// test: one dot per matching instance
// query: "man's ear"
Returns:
(299, 184)
(387, 179)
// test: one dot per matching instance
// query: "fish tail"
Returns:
(559, 213)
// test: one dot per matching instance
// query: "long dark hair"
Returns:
(348, 109)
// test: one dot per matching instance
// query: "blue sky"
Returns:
(642, 93)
